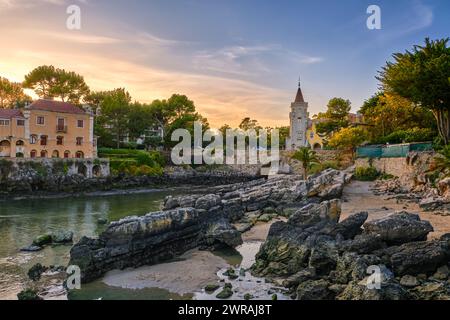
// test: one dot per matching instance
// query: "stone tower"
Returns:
(298, 122)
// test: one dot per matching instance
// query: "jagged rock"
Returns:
(436, 290)
(136, 241)
(324, 256)
(28, 295)
(363, 243)
(327, 185)
(419, 257)
(400, 227)
(441, 273)
(31, 248)
(233, 209)
(207, 202)
(351, 226)
(36, 272)
(226, 292)
(388, 291)
(209, 288)
(314, 290)
(62, 236)
(299, 277)
(352, 267)
(409, 281)
(223, 233)
(433, 203)
(311, 214)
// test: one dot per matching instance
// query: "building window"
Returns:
(79, 141)
(33, 154)
(80, 123)
(4, 122)
(59, 140)
(55, 154)
(20, 122)
(43, 154)
(43, 140)
(311, 135)
(20, 143)
(40, 120)
(33, 139)
(79, 155)
(66, 154)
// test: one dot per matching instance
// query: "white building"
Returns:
(298, 122)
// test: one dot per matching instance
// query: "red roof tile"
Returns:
(55, 106)
(10, 113)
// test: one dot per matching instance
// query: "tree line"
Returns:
(412, 104)
(117, 116)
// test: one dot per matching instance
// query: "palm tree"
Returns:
(307, 157)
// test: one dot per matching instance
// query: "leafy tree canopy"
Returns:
(11, 94)
(422, 76)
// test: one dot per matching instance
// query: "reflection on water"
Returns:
(23, 220)
(98, 290)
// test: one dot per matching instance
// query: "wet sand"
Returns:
(193, 270)
(358, 197)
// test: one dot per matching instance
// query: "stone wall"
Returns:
(408, 169)
(17, 168)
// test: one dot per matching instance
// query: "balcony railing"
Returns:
(61, 129)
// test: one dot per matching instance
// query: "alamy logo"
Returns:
(74, 277)
(73, 21)
(374, 20)
(237, 147)
(374, 280)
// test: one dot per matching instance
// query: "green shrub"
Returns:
(319, 167)
(408, 136)
(386, 176)
(158, 158)
(145, 159)
(366, 173)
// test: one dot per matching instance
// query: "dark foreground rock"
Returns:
(156, 237)
(202, 221)
(319, 258)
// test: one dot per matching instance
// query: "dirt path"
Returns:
(358, 197)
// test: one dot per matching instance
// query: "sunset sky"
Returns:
(234, 58)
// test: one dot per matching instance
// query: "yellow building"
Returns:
(315, 140)
(47, 129)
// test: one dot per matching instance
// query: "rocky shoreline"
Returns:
(203, 221)
(60, 186)
(317, 257)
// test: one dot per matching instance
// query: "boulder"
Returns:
(351, 226)
(433, 203)
(31, 248)
(419, 257)
(36, 271)
(433, 290)
(42, 240)
(409, 281)
(388, 291)
(314, 290)
(363, 243)
(329, 211)
(62, 236)
(207, 202)
(398, 228)
(223, 233)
